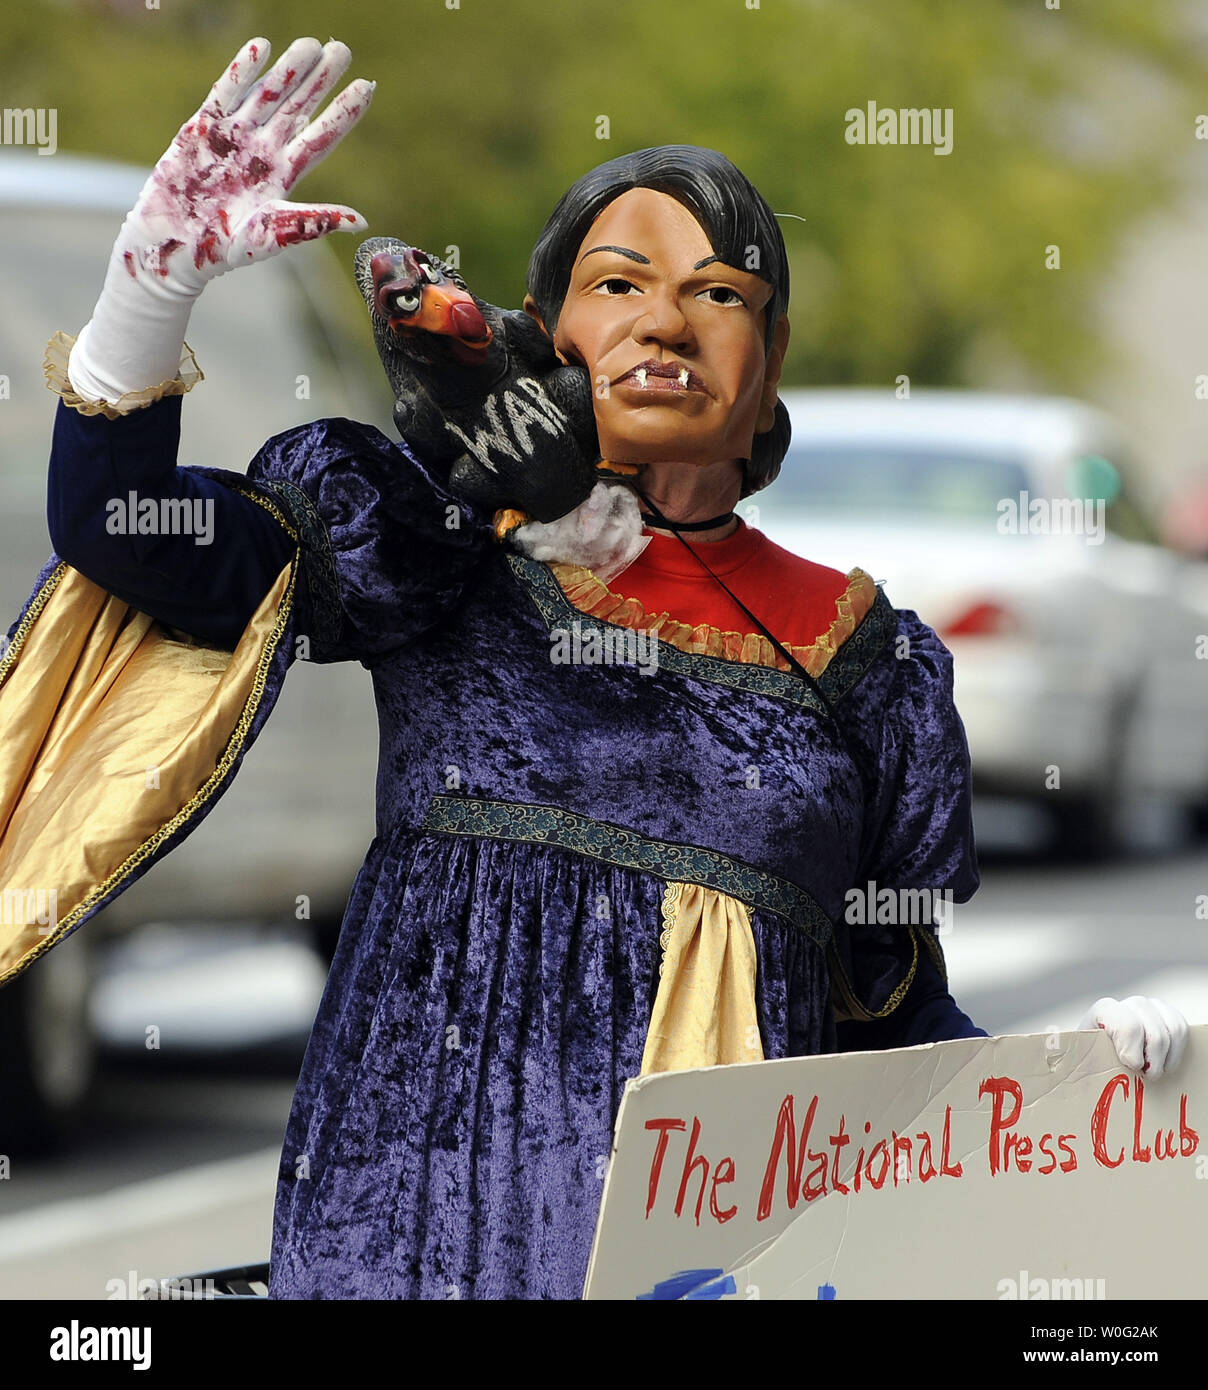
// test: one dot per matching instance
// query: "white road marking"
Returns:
(138, 1205)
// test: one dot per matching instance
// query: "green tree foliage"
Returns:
(1070, 125)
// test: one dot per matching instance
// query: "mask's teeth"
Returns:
(683, 376)
(641, 376)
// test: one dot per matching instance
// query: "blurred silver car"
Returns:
(1010, 524)
(281, 344)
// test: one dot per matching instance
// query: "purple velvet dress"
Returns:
(498, 960)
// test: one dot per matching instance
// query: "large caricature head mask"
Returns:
(706, 290)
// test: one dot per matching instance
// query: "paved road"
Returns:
(174, 1171)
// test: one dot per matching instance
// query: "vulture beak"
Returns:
(451, 311)
(442, 308)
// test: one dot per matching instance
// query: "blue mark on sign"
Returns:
(715, 1288)
(681, 1284)
(826, 1291)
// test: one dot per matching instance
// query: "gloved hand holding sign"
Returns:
(1150, 1036)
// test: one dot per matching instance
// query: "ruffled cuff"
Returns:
(54, 365)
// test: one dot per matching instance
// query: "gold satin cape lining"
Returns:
(115, 732)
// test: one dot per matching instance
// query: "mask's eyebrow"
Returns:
(620, 250)
(707, 261)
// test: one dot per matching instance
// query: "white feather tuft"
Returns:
(604, 533)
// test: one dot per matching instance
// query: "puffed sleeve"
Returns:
(918, 856)
(383, 547)
(918, 823)
(386, 549)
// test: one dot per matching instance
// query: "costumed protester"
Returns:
(604, 889)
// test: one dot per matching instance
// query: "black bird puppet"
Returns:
(481, 389)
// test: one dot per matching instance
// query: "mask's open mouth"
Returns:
(653, 375)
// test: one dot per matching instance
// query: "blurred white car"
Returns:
(1009, 524)
(279, 346)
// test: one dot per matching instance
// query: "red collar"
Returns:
(669, 555)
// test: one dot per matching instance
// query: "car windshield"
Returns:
(880, 477)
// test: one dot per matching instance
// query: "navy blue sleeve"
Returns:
(927, 1013)
(387, 550)
(206, 555)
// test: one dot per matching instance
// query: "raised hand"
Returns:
(215, 199)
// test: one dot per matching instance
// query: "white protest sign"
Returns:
(1015, 1167)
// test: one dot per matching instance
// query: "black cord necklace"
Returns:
(710, 525)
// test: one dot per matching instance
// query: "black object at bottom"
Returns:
(240, 1281)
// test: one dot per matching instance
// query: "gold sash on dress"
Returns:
(704, 1012)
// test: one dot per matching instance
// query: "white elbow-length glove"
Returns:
(216, 201)
(1150, 1035)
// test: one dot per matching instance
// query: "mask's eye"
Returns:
(431, 274)
(727, 295)
(403, 301)
(616, 286)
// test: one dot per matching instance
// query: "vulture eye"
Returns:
(403, 301)
(431, 274)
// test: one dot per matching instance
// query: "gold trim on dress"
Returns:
(592, 596)
(116, 732)
(704, 1011)
(849, 1008)
(54, 367)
